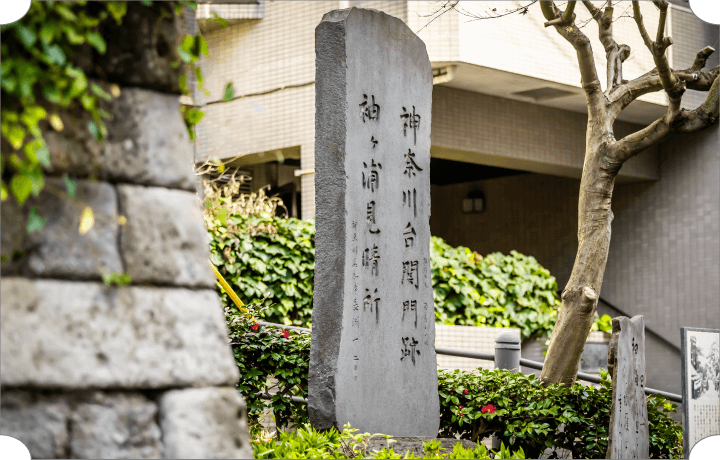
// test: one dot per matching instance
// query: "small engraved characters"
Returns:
(410, 273)
(409, 344)
(410, 199)
(373, 141)
(370, 258)
(372, 181)
(369, 111)
(412, 121)
(410, 165)
(409, 235)
(370, 218)
(371, 299)
(410, 305)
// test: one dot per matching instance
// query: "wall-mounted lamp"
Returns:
(474, 203)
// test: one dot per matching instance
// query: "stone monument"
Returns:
(372, 361)
(629, 434)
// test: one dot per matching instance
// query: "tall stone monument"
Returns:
(372, 361)
(629, 433)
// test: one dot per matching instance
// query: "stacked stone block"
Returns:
(139, 371)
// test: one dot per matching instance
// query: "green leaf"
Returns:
(48, 32)
(218, 19)
(55, 53)
(21, 186)
(96, 40)
(95, 131)
(15, 134)
(97, 90)
(65, 12)
(35, 220)
(79, 85)
(117, 10)
(27, 36)
(71, 186)
(229, 92)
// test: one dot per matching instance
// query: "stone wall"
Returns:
(139, 371)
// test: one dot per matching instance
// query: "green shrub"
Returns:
(268, 261)
(261, 351)
(498, 290)
(306, 442)
(523, 413)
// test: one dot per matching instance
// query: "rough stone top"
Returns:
(400, 29)
(508, 337)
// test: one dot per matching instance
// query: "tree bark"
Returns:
(604, 156)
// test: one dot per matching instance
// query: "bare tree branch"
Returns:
(615, 54)
(674, 120)
(657, 49)
(621, 96)
(702, 117)
(579, 41)
(567, 16)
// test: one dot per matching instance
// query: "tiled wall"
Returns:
(520, 135)
(665, 255)
(689, 37)
(470, 338)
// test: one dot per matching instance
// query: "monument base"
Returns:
(414, 444)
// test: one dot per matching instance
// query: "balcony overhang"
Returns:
(499, 83)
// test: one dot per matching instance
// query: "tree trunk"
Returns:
(604, 156)
(579, 298)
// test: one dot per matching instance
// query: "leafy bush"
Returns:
(498, 290)
(306, 442)
(261, 351)
(523, 413)
(268, 261)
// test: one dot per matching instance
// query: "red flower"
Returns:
(466, 392)
(285, 333)
(255, 327)
(452, 393)
(489, 409)
(461, 407)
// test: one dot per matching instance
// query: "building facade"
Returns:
(508, 124)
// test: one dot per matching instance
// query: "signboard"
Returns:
(700, 359)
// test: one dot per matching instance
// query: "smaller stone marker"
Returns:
(629, 435)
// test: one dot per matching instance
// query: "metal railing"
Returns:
(486, 357)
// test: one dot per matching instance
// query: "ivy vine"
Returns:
(38, 78)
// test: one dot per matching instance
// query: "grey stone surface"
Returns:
(143, 57)
(147, 142)
(629, 431)
(58, 249)
(13, 225)
(115, 425)
(65, 334)
(372, 359)
(39, 422)
(164, 240)
(204, 423)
